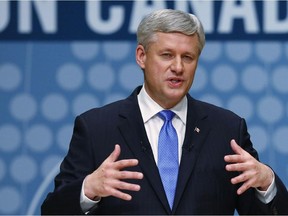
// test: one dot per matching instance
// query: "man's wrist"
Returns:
(268, 181)
(268, 195)
(87, 191)
(96, 198)
(85, 202)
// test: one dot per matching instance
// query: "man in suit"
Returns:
(113, 163)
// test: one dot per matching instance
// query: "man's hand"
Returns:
(107, 180)
(252, 172)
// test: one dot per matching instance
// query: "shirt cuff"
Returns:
(86, 203)
(267, 196)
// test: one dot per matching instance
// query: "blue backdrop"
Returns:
(58, 59)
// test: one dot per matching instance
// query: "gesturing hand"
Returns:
(252, 172)
(107, 180)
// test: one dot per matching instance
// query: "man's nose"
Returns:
(177, 65)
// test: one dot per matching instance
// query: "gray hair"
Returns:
(168, 21)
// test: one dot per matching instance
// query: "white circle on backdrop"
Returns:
(241, 105)
(54, 107)
(259, 138)
(39, 138)
(101, 76)
(117, 50)
(10, 137)
(49, 163)
(212, 51)
(280, 79)
(85, 50)
(23, 107)
(213, 99)
(10, 200)
(270, 109)
(280, 139)
(239, 51)
(84, 102)
(23, 169)
(63, 136)
(224, 78)
(254, 78)
(2, 169)
(69, 76)
(268, 52)
(130, 76)
(10, 76)
(200, 79)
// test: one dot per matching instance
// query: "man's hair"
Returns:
(169, 21)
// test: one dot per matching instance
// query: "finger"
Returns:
(234, 158)
(118, 186)
(121, 164)
(240, 178)
(244, 187)
(246, 183)
(127, 186)
(115, 154)
(119, 194)
(236, 148)
(128, 175)
(239, 156)
(239, 167)
(241, 163)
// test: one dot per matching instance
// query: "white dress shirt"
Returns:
(153, 123)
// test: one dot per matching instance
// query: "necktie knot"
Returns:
(166, 115)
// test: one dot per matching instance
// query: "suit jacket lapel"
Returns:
(195, 135)
(133, 131)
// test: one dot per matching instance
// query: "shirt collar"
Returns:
(150, 108)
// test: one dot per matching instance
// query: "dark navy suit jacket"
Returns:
(203, 186)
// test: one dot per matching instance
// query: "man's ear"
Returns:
(140, 56)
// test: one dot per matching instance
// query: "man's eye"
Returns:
(188, 58)
(166, 55)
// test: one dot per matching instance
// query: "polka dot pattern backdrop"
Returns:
(43, 86)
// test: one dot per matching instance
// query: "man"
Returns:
(114, 164)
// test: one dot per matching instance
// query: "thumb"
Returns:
(235, 147)
(115, 154)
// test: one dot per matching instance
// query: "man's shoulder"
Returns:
(110, 108)
(213, 110)
(116, 106)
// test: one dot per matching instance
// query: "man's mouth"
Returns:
(175, 82)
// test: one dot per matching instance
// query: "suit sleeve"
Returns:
(278, 205)
(65, 199)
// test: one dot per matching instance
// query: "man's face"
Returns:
(169, 66)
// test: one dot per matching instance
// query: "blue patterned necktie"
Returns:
(168, 155)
